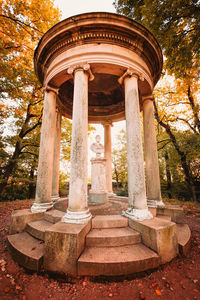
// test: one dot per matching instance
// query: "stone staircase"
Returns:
(111, 247)
(27, 248)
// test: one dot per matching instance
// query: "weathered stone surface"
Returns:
(53, 215)
(114, 261)
(64, 243)
(20, 218)
(26, 250)
(79, 148)
(184, 238)
(174, 211)
(159, 235)
(110, 237)
(164, 217)
(150, 151)
(45, 165)
(97, 198)
(108, 155)
(98, 191)
(109, 221)
(37, 228)
(98, 176)
(136, 177)
(56, 158)
(152, 211)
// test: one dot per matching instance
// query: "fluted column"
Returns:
(151, 154)
(78, 211)
(108, 156)
(137, 209)
(43, 199)
(56, 159)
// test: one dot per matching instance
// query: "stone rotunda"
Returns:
(98, 68)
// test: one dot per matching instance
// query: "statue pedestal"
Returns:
(98, 194)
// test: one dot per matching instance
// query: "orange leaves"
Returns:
(19, 112)
(158, 292)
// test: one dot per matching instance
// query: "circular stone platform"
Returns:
(114, 206)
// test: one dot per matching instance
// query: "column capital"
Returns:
(84, 67)
(131, 73)
(149, 97)
(107, 122)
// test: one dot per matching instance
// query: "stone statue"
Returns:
(97, 147)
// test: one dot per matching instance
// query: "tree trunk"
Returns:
(10, 167)
(185, 165)
(168, 174)
(12, 162)
(195, 109)
(116, 176)
(31, 191)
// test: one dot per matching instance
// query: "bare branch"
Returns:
(164, 146)
(22, 24)
(164, 141)
(187, 122)
(31, 153)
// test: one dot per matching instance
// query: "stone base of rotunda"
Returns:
(109, 244)
(64, 243)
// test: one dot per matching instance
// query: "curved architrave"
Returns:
(111, 60)
(106, 55)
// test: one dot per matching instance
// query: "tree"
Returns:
(119, 159)
(176, 26)
(22, 25)
(172, 165)
(176, 113)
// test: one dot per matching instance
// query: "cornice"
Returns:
(98, 28)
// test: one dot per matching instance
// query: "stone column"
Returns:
(43, 199)
(108, 156)
(78, 211)
(151, 154)
(56, 159)
(137, 209)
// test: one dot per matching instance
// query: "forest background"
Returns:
(174, 23)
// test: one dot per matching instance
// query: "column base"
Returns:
(111, 194)
(155, 203)
(41, 207)
(137, 214)
(55, 198)
(77, 217)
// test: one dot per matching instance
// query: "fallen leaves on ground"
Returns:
(173, 280)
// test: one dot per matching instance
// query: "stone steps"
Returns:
(111, 237)
(114, 261)
(164, 217)
(109, 221)
(184, 238)
(37, 228)
(26, 250)
(113, 248)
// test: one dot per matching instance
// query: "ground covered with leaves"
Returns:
(179, 279)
